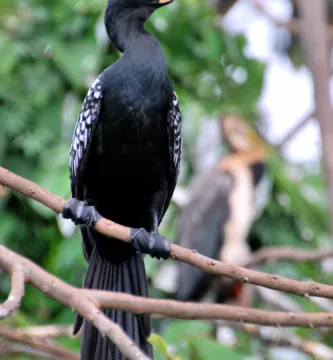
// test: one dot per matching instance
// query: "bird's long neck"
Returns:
(123, 25)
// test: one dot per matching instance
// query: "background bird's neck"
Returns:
(123, 25)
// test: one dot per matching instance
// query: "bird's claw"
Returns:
(81, 213)
(152, 244)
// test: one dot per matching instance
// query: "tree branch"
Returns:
(275, 253)
(71, 297)
(56, 203)
(318, 59)
(191, 257)
(46, 331)
(294, 25)
(89, 303)
(276, 337)
(42, 346)
(7, 348)
(295, 130)
(14, 299)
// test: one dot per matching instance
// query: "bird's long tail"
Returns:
(124, 276)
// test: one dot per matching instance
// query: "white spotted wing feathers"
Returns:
(84, 128)
(174, 126)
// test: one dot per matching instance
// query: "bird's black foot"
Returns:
(152, 244)
(81, 213)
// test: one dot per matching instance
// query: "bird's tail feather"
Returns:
(128, 276)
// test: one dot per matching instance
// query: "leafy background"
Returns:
(50, 53)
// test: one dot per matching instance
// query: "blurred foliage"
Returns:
(51, 52)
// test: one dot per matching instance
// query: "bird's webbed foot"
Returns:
(81, 213)
(150, 243)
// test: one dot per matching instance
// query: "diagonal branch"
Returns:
(88, 303)
(317, 49)
(274, 253)
(14, 299)
(191, 257)
(71, 297)
(46, 331)
(294, 25)
(277, 337)
(43, 346)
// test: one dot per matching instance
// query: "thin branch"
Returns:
(279, 300)
(89, 302)
(199, 311)
(191, 257)
(56, 203)
(7, 348)
(295, 130)
(274, 253)
(73, 298)
(46, 331)
(250, 276)
(17, 292)
(294, 25)
(318, 59)
(276, 337)
(53, 349)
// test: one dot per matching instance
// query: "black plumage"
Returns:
(124, 164)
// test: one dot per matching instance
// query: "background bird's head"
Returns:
(239, 135)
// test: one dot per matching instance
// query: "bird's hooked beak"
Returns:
(164, 2)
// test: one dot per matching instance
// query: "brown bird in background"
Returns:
(219, 213)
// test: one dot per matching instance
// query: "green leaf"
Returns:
(209, 349)
(77, 59)
(160, 344)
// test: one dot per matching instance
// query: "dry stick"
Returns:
(295, 130)
(318, 59)
(72, 298)
(276, 337)
(274, 253)
(294, 25)
(191, 257)
(53, 349)
(14, 299)
(88, 304)
(56, 203)
(46, 331)
(7, 349)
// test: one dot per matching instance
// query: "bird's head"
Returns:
(135, 5)
(123, 16)
(239, 135)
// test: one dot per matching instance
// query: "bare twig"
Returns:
(295, 130)
(274, 253)
(89, 302)
(294, 26)
(14, 299)
(278, 300)
(7, 348)
(56, 203)
(250, 276)
(191, 257)
(317, 55)
(71, 297)
(277, 337)
(55, 350)
(46, 331)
